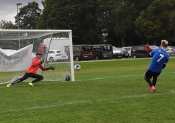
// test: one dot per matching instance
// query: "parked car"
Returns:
(102, 51)
(170, 47)
(82, 52)
(138, 51)
(116, 52)
(128, 49)
(170, 50)
(125, 52)
(56, 55)
(152, 47)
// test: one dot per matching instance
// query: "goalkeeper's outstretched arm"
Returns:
(49, 68)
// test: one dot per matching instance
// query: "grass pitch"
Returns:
(104, 92)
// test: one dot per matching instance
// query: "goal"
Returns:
(18, 47)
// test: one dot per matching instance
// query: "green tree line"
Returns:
(118, 22)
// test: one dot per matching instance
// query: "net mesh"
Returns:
(14, 44)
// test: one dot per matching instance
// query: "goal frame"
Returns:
(51, 31)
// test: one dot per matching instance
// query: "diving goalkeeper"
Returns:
(31, 72)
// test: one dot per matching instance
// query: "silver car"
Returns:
(170, 50)
(128, 49)
(116, 52)
(125, 52)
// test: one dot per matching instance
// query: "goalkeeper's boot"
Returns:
(9, 85)
(30, 83)
(153, 88)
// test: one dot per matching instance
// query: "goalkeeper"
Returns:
(31, 72)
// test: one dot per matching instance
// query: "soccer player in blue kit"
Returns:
(159, 60)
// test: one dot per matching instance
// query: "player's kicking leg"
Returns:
(147, 76)
(155, 78)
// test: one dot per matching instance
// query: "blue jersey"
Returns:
(159, 57)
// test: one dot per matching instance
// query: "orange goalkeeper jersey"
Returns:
(36, 63)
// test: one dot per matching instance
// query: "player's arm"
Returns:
(164, 65)
(152, 53)
(49, 68)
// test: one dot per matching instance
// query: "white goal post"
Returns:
(18, 47)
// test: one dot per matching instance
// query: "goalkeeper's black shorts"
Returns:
(32, 75)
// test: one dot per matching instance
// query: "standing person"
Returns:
(147, 49)
(159, 60)
(31, 72)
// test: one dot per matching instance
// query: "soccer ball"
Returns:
(77, 67)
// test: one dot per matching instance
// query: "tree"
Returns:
(153, 22)
(7, 25)
(88, 19)
(126, 12)
(119, 22)
(105, 21)
(28, 16)
(77, 16)
(43, 3)
(171, 4)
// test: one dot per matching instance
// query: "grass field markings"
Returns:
(87, 101)
(112, 60)
(118, 59)
(78, 80)
(138, 96)
(120, 77)
(85, 79)
(110, 77)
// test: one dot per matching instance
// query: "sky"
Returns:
(8, 8)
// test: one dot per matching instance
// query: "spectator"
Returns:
(147, 49)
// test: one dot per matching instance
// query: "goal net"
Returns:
(19, 47)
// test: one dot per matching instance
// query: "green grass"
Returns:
(104, 92)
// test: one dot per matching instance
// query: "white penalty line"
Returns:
(78, 80)
(72, 81)
(86, 101)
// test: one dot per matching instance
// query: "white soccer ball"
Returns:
(77, 67)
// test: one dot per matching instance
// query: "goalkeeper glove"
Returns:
(51, 68)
